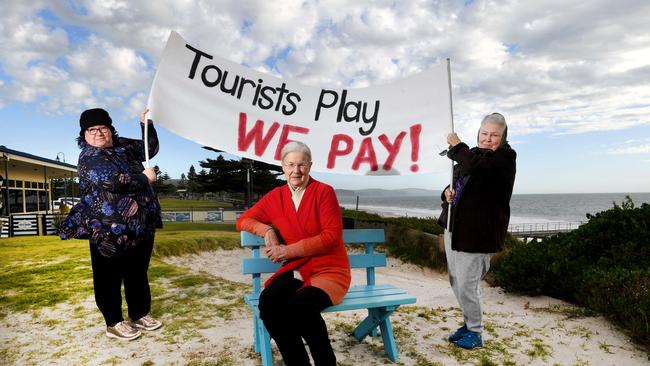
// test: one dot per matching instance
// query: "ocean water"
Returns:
(525, 208)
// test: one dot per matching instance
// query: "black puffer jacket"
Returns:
(480, 217)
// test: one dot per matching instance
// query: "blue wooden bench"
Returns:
(380, 300)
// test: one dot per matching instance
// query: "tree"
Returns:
(202, 182)
(193, 185)
(162, 187)
(182, 184)
(240, 176)
(265, 177)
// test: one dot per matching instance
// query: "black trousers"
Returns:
(109, 273)
(291, 314)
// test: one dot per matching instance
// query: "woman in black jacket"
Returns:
(480, 212)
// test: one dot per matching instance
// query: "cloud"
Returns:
(552, 67)
(108, 68)
(641, 149)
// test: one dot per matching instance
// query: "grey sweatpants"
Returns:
(465, 273)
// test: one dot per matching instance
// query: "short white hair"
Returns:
(496, 118)
(499, 120)
(295, 146)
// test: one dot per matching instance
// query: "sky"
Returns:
(572, 77)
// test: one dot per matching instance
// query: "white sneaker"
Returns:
(147, 323)
(123, 330)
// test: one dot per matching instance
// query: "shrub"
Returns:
(411, 239)
(602, 265)
(427, 224)
(523, 269)
(416, 247)
(623, 295)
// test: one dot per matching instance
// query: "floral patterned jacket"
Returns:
(118, 206)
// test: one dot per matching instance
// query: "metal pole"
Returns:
(65, 189)
(248, 185)
(44, 185)
(146, 142)
(7, 201)
(252, 184)
(72, 187)
(356, 212)
(451, 178)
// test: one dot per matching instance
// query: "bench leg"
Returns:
(264, 343)
(390, 347)
(373, 332)
(375, 317)
(256, 333)
(379, 317)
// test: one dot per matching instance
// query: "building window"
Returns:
(19, 184)
(43, 203)
(12, 183)
(40, 186)
(15, 201)
(31, 200)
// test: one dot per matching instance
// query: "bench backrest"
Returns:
(258, 264)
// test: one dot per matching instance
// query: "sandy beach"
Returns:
(520, 330)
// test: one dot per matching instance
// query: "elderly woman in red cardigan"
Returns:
(307, 216)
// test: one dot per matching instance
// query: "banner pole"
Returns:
(451, 178)
(146, 142)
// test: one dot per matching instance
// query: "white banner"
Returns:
(390, 129)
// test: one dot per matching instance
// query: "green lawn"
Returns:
(43, 271)
(171, 204)
(196, 226)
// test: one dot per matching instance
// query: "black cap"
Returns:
(94, 117)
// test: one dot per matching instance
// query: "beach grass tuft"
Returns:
(569, 311)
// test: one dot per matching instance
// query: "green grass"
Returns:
(171, 204)
(196, 226)
(182, 238)
(43, 271)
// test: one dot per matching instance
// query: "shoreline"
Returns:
(394, 211)
(525, 209)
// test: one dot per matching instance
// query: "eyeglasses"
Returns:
(94, 130)
(301, 166)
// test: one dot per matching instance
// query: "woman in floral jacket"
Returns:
(119, 212)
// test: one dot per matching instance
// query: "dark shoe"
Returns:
(460, 332)
(123, 330)
(147, 323)
(470, 340)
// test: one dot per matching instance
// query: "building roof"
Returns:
(15, 154)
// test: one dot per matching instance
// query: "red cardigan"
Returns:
(313, 235)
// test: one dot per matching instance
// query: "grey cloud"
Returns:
(563, 75)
